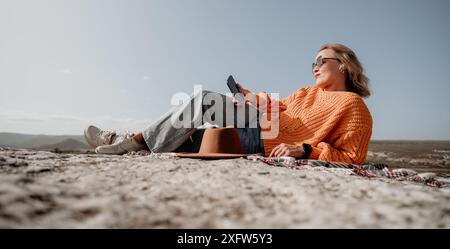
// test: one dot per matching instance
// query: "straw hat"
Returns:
(218, 143)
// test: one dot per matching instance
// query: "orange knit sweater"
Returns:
(337, 125)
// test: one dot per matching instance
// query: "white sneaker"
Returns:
(121, 146)
(97, 137)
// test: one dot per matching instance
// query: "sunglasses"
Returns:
(320, 61)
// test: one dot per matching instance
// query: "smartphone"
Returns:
(232, 85)
(233, 88)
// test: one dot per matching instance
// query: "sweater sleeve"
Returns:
(265, 103)
(351, 147)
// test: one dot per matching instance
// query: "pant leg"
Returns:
(173, 128)
(193, 143)
(251, 140)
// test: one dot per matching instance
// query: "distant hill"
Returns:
(67, 144)
(17, 140)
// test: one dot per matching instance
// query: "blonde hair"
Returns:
(356, 81)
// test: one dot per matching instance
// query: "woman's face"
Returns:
(328, 75)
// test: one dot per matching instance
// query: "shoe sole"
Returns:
(108, 153)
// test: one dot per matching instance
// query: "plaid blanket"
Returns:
(366, 170)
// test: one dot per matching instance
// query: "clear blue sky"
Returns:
(65, 64)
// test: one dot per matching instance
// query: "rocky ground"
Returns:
(57, 190)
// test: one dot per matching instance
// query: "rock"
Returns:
(56, 190)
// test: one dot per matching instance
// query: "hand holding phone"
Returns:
(236, 87)
(235, 90)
